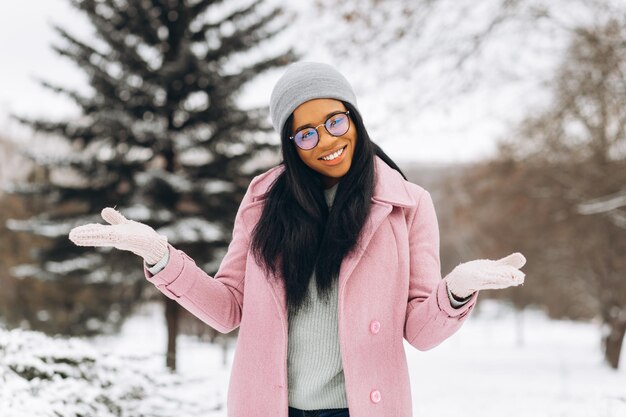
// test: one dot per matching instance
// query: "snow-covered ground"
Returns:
(489, 368)
(557, 371)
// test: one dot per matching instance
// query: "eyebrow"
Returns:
(325, 118)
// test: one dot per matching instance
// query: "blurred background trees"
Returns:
(160, 137)
(546, 192)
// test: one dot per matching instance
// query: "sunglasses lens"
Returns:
(306, 139)
(338, 124)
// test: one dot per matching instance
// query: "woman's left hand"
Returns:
(480, 274)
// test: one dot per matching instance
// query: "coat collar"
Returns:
(390, 190)
(389, 185)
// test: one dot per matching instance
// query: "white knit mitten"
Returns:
(480, 274)
(124, 234)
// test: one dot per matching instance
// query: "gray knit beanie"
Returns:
(304, 81)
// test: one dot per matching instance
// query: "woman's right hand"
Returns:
(123, 234)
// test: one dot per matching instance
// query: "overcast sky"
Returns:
(456, 133)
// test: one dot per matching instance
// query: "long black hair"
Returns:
(297, 234)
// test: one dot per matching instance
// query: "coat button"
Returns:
(375, 396)
(375, 326)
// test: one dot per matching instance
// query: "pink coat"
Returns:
(390, 291)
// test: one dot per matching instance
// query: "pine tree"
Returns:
(161, 138)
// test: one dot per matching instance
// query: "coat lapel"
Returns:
(389, 191)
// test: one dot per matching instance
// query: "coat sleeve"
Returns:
(430, 317)
(217, 300)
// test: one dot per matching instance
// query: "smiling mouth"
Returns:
(322, 158)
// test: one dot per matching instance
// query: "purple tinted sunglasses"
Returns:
(337, 124)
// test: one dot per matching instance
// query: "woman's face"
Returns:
(313, 113)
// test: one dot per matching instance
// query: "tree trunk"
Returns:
(519, 326)
(171, 317)
(225, 346)
(171, 306)
(613, 342)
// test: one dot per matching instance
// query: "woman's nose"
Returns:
(324, 135)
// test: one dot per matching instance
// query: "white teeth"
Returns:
(333, 156)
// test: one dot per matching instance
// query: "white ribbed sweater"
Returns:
(314, 369)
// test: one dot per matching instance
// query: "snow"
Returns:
(603, 204)
(193, 229)
(48, 228)
(196, 101)
(44, 226)
(136, 153)
(482, 370)
(144, 214)
(25, 270)
(213, 186)
(197, 157)
(84, 262)
(557, 370)
(43, 376)
(178, 182)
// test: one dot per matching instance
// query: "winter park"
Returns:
(250, 208)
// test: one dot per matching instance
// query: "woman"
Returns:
(324, 289)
